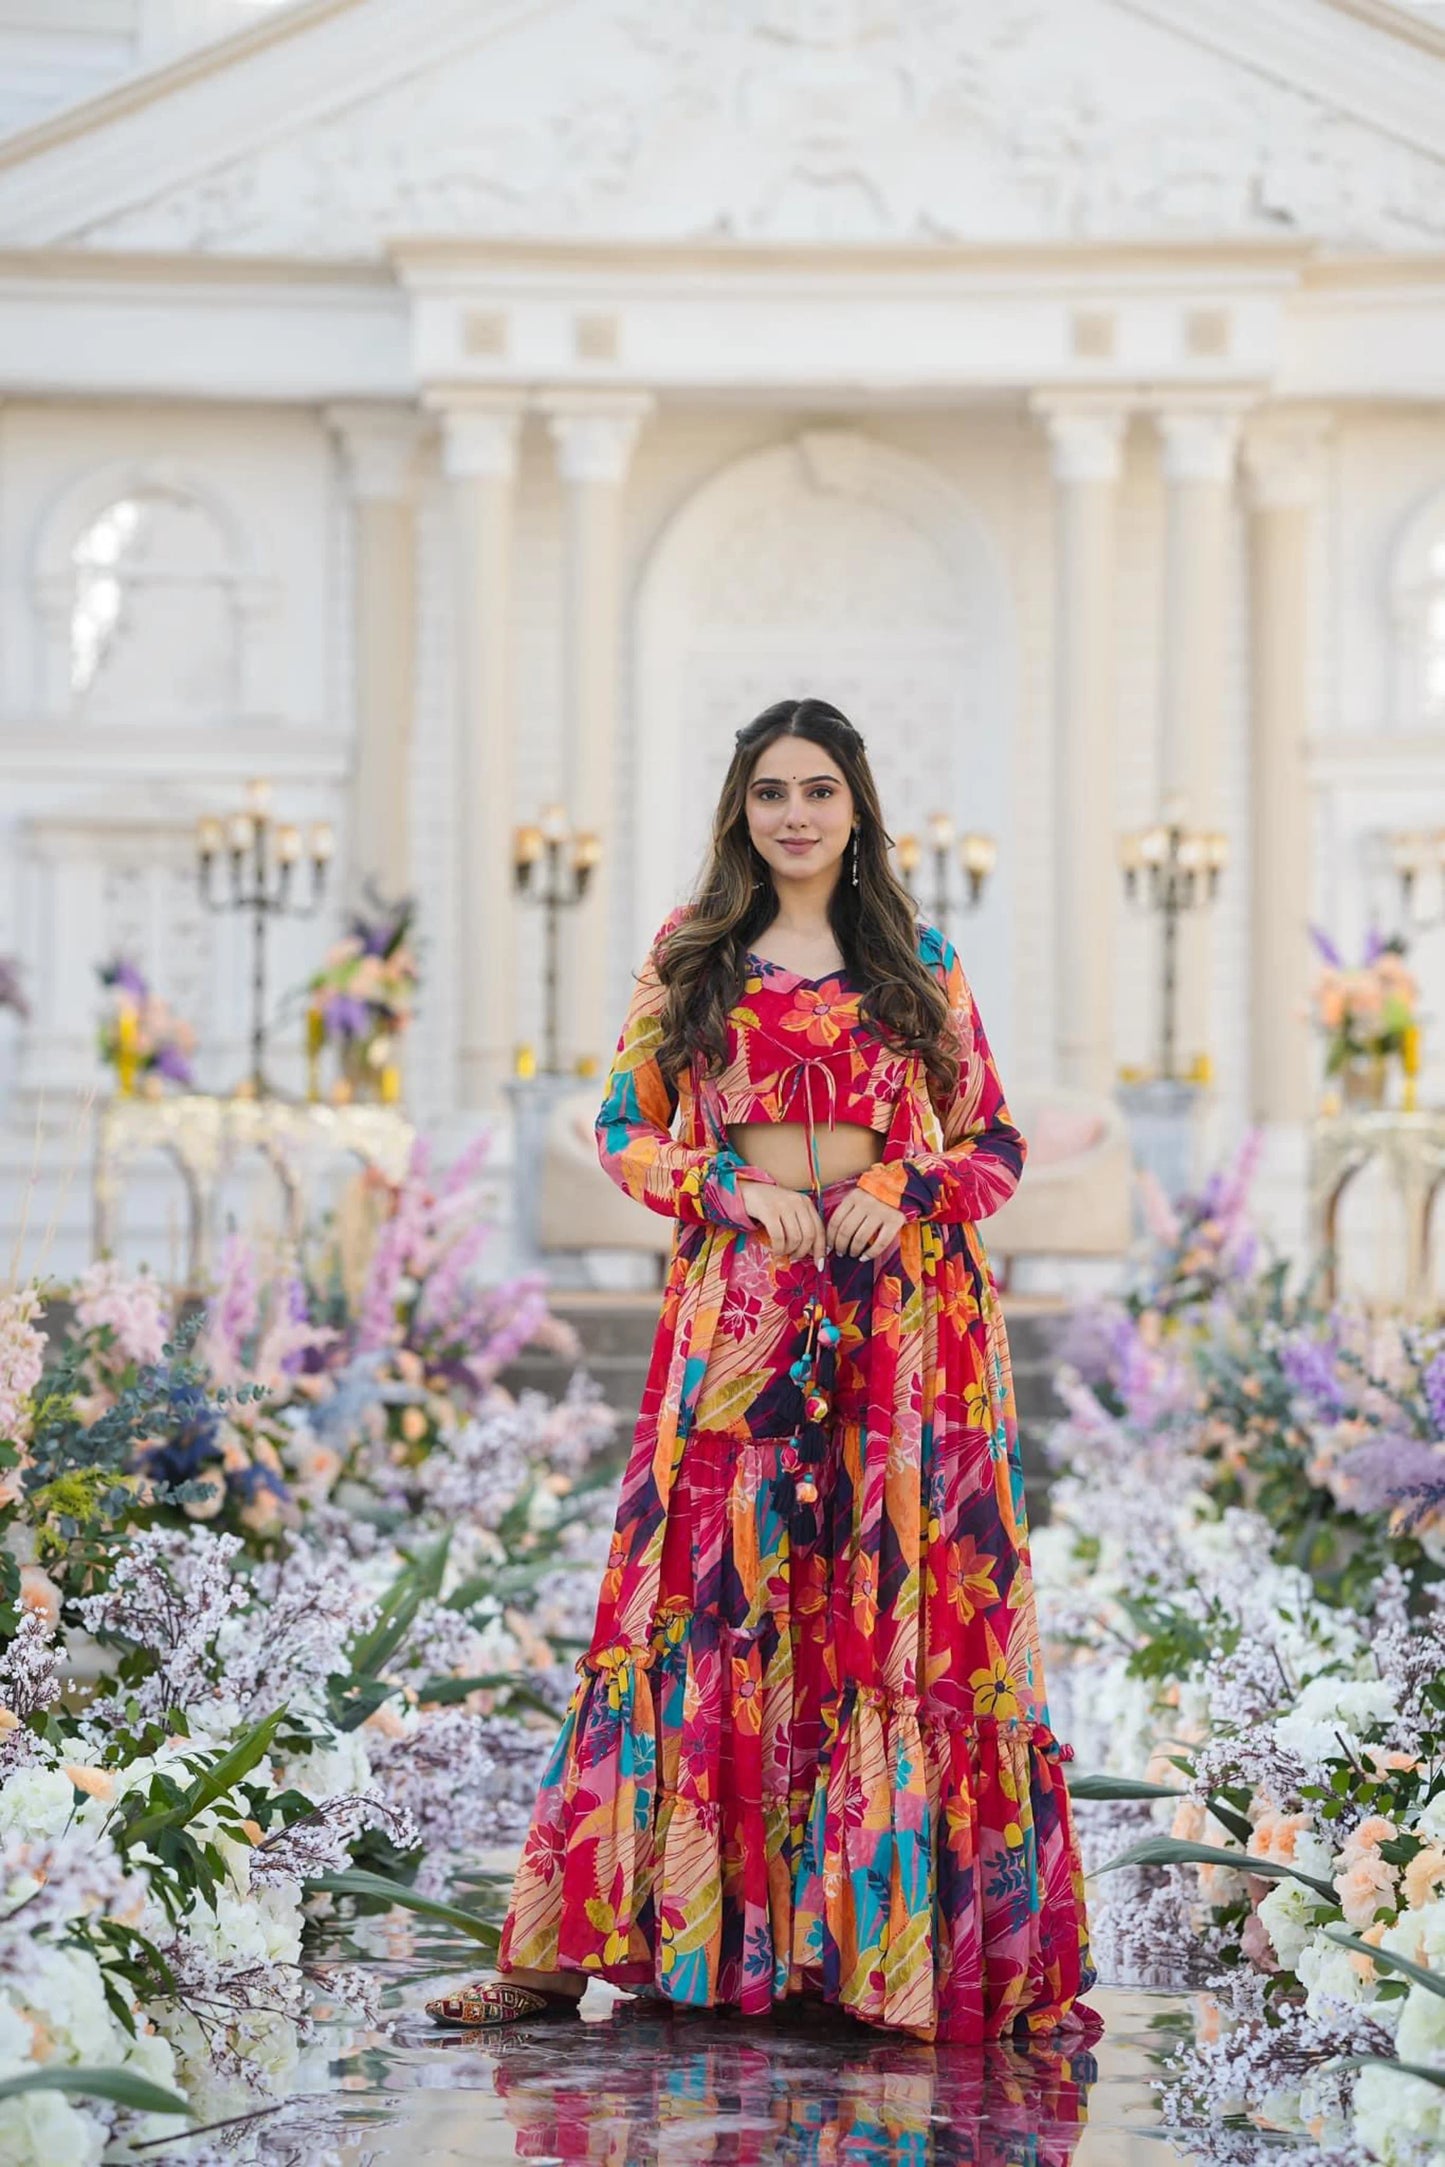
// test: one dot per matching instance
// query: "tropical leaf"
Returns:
(1387, 1960)
(122, 2087)
(211, 1784)
(729, 1398)
(1174, 1851)
(353, 1882)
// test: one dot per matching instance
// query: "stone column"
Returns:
(1197, 440)
(1086, 437)
(480, 432)
(1283, 462)
(378, 445)
(595, 434)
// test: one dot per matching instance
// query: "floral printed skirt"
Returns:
(830, 1771)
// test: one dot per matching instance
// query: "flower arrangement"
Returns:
(300, 1685)
(1367, 1015)
(1252, 1668)
(362, 999)
(138, 1034)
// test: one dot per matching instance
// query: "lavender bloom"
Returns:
(1309, 1367)
(124, 974)
(170, 1061)
(1393, 1469)
(346, 1016)
(1434, 1384)
(1327, 948)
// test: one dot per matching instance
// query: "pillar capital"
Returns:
(1199, 434)
(1086, 433)
(595, 432)
(379, 445)
(1283, 457)
(481, 431)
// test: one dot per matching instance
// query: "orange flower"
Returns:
(971, 1585)
(822, 1013)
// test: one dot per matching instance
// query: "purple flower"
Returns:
(1434, 1382)
(1309, 1366)
(1394, 1469)
(170, 1061)
(1327, 948)
(346, 1017)
(125, 975)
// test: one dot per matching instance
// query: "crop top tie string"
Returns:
(796, 1490)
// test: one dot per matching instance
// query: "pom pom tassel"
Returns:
(795, 1492)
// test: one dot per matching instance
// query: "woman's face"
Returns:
(800, 811)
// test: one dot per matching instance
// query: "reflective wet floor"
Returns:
(630, 2085)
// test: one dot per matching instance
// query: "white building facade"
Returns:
(445, 408)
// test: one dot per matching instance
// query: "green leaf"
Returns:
(413, 1585)
(211, 1784)
(1388, 1961)
(1120, 1787)
(355, 1883)
(1174, 1851)
(120, 2086)
(1105, 1787)
(1388, 2061)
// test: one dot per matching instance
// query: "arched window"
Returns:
(1417, 599)
(153, 624)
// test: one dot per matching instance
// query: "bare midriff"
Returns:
(780, 1148)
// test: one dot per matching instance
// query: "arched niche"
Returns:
(1417, 615)
(146, 591)
(829, 564)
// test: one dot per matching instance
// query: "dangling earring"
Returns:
(855, 857)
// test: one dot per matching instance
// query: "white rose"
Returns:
(1288, 1914)
(1395, 2116)
(35, 1802)
(1328, 1972)
(47, 2127)
(1312, 1855)
(64, 1988)
(1430, 1821)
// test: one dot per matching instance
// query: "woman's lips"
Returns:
(798, 847)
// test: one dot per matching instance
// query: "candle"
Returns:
(288, 843)
(554, 823)
(527, 845)
(390, 1084)
(526, 1061)
(323, 841)
(258, 796)
(940, 830)
(908, 853)
(586, 850)
(241, 832)
(1410, 1049)
(127, 1047)
(209, 836)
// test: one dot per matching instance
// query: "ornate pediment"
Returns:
(856, 120)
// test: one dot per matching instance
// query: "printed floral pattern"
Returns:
(826, 1767)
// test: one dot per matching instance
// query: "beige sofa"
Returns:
(1075, 1198)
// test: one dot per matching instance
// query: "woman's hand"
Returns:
(788, 1218)
(863, 1226)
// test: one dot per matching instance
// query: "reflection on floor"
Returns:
(630, 2084)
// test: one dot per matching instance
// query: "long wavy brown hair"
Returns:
(703, 965)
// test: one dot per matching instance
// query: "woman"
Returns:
(809, 1753)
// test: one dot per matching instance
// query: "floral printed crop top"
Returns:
(797, 1048)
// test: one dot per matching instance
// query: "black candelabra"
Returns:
(560, 888)
(264, 855)
(1181, 867)
(977, 855)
